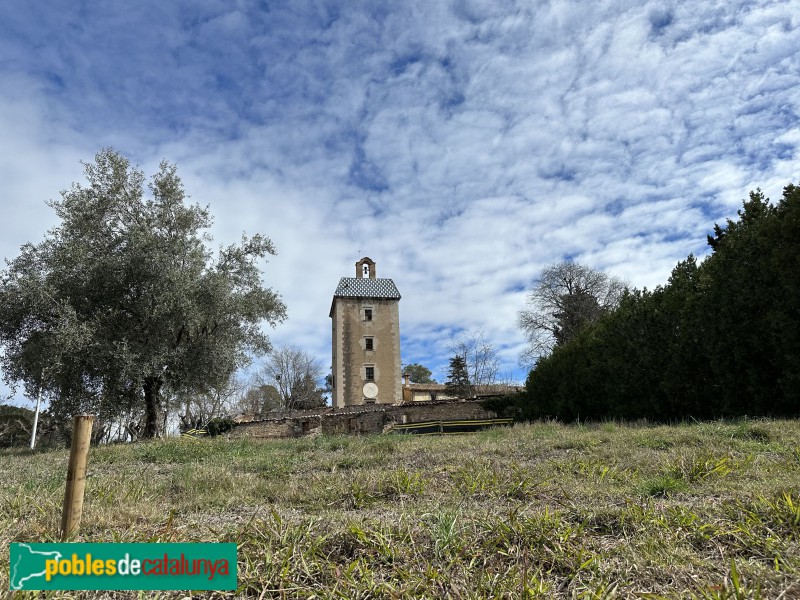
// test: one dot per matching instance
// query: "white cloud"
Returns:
(462, 146)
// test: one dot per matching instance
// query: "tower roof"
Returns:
(357, 287)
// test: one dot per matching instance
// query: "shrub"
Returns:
(220, 425)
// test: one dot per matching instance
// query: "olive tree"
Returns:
(123, 303)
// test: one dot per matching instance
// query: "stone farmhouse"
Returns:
(365, 334)
(367, 393)
(432, 392)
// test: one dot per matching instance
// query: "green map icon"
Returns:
(27, 565)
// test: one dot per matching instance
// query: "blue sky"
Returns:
(461, 145)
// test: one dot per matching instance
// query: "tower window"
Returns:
(369, 373)
(368, 344)
(368, 314)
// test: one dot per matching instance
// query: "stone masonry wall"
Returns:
(350, 354)
(356, 420)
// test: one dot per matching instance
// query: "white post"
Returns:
(36, 418)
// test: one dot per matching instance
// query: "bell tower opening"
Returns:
(365, 268)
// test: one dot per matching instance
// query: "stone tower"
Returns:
(365, 339)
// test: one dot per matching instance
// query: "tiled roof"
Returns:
(354, 287)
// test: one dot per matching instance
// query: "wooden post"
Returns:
(76, 476)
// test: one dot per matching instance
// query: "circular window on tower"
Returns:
(370, 391)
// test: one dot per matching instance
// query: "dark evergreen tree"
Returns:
(752, 306)
(458, 383)
(720, 339)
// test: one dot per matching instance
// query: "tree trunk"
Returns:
(152, 396)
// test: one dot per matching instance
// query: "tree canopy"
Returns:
(123, 302)
(16, 424)
(418, 373)
(564, 299)
(720, 339)
(259, 399)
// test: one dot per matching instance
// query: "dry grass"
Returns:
(709, 510)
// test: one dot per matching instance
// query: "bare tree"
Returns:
(15, 426)
(218, 401)
(479, 356)
(295, 374)
(258, 399)
(564, 299)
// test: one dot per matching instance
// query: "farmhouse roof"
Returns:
(357, 287)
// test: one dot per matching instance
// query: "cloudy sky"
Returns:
(462, 145)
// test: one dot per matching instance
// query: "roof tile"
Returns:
(355, 287)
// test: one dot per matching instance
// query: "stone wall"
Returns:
(266, 429)
(357, 420)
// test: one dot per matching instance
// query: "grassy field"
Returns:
(706, 510)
